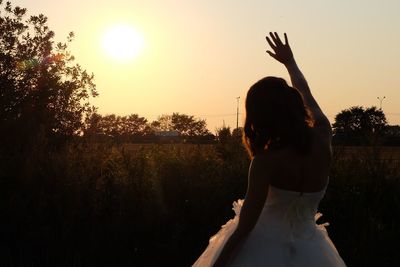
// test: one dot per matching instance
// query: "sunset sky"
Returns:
(197, 57)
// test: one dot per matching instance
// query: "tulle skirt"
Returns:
(269, 244)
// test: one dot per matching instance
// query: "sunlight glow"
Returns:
(122, 42)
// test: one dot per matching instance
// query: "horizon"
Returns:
(198, 58)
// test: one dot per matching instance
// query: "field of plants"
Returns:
(156, 205)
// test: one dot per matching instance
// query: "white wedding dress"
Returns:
(286, 234)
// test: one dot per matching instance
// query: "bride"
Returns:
(288, 138)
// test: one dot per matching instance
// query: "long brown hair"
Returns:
(275, 117)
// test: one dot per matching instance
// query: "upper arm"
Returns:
(323, 126)
(257, 190)
(321, 122)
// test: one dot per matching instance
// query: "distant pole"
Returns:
(237, 112)
(380, 101)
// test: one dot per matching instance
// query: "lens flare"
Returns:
(26, 64)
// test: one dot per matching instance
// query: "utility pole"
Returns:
(380, 101)
(237, 112)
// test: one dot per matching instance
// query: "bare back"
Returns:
(301, 173)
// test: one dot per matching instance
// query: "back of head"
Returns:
(276, 117)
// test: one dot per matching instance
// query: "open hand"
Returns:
(282, 51)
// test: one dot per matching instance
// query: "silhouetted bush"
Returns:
(362, 203)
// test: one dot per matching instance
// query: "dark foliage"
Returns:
(359, 126)
(42, 93)
(185, 125)
(103, 205)
(363, 205)
(392, 135)
(175, 128)
(130, 128)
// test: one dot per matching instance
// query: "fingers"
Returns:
(282, 51)
(273, 39)
(277, 39)
(286, 39)
(271, 44)
(271, 54)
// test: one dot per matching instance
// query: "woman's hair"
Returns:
(275, 117)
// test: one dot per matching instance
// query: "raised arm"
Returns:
(283, 53)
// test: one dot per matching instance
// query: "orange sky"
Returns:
(200, 55)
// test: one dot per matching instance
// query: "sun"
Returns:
(122, 42)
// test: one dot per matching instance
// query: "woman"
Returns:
(289, 140)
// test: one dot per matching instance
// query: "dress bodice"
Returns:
(290, 213)
(291, 201)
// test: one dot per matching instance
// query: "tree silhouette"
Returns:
(93, 125)
(189, 126)
(359, 126)
(392, 135)
(163, 123)
(123, 128)
(186, 125)
(134, 125)
(41, 89)
(224, 134)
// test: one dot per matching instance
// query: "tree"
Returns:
(186, 125)
(163, 123)
(359, 126)
(392, 135)
(93, 125)
(110, 125)
(224, 134)
(135, 126)
(41, 89)
(124, 128)
(237, 133)
(189, 126)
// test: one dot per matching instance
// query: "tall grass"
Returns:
(106, 205)
(363, 204)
